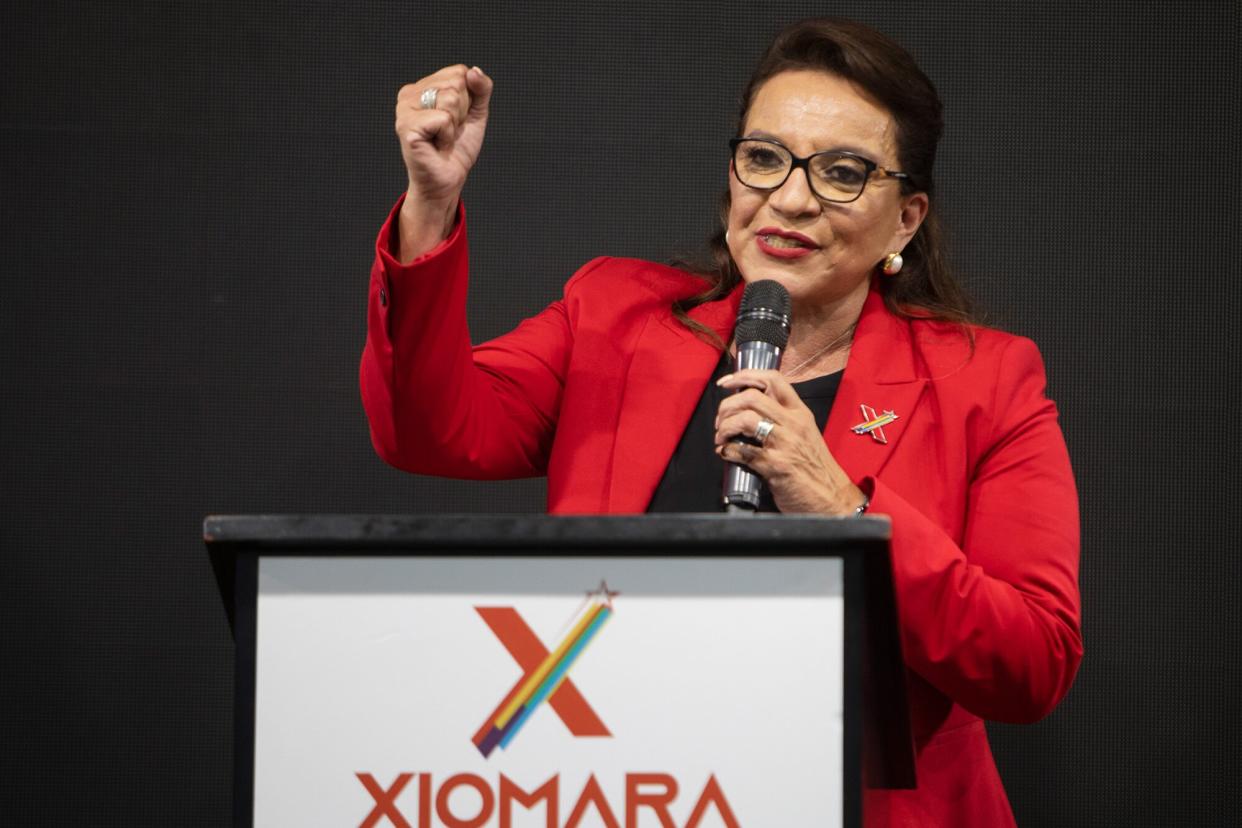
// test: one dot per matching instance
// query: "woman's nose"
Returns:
(794, 197)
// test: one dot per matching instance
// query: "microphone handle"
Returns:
(741, 485)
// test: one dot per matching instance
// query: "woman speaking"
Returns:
(890, 399)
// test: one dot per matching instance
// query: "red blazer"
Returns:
(595, 391)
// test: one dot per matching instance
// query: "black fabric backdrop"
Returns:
(191, 192)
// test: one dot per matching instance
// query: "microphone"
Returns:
(761, 335)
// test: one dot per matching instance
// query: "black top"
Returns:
(692, 482)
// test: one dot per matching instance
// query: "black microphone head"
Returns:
(764, 314)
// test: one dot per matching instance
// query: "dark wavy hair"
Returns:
(926, 287)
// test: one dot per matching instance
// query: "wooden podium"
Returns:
(688, 670)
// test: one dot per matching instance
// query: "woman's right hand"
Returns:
(439, 147)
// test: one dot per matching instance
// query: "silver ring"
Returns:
(428, 99)
(763, 430)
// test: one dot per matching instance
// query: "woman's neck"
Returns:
(820, 338)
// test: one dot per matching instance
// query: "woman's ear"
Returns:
(914, 209)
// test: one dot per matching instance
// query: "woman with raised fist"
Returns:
(890, 399)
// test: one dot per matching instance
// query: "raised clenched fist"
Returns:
(440, 121)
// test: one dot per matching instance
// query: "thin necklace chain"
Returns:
(826, 349)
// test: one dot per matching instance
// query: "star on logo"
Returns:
(873, 424)
(602, 591)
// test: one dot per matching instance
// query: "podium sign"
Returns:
(568, 672)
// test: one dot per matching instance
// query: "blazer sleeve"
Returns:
(438, 405)
(994, 624)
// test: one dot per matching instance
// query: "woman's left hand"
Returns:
(800, 472)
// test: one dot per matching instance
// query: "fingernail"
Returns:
(724, 379)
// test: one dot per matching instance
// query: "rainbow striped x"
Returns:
(546, 676)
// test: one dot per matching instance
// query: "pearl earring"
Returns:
(892, 264)
(726, 237)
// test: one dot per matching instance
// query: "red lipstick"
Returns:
(804, 248)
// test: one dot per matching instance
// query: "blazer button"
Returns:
(383, 298)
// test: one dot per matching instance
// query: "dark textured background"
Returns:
(190, 195)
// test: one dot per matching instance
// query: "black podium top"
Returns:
(719, 533)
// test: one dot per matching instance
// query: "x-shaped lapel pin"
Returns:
(873, 423)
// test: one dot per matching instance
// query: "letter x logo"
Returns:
(545, 674)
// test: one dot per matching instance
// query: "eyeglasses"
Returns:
(834, 175)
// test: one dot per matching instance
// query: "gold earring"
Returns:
(892, 264)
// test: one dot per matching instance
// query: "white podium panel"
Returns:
(625, 692)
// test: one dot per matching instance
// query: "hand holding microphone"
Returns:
(764, 431)
(761, 333)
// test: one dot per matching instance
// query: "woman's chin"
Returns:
(809, 290)
(800, 287)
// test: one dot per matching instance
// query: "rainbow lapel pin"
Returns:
(873, 424)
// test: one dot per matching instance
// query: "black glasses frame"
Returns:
(804, 164)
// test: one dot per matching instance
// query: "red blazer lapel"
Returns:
(882, 374)
(670, 367)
